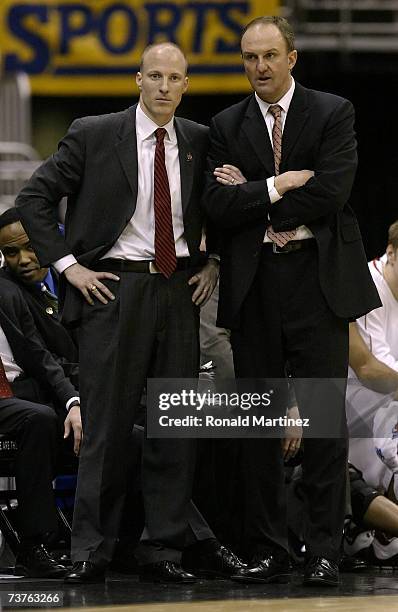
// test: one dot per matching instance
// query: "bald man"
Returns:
(133, 278)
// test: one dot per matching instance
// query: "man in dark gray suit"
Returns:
(132, 278)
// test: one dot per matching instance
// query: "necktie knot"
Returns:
(160, 133)
(275, 110)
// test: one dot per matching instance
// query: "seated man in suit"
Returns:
(30, 380)
(39, 287)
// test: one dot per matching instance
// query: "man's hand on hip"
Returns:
(89, 283)
(205, 280)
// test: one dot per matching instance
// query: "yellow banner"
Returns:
(93, 47)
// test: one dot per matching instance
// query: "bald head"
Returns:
(163, 48)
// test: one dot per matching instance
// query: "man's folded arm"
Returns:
(329, 190)
(231, 206)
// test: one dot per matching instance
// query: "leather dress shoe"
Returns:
(321, 571)
(268, 568)
(37, 562)
(211, 560)
(352, 565)
(85, 572)
(165, 571)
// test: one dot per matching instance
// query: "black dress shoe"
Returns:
(210, 560)
(265, 569)
(165, 571)
(321, 571)
(37, 562)
(352, 565)
(85, 572)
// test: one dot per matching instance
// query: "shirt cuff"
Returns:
(65, 262)
(272, 192)
(214, 256)
(73, 400)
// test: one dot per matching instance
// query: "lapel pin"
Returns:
(189, 157)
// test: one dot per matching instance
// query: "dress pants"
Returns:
(35, 427)
(149, 330)
(286, 324)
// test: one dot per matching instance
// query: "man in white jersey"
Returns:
(372, 413)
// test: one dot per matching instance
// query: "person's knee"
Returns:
(43, 419)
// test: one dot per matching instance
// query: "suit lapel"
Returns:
(256, 131)
(296, 119)
(126, 149)
(186, 154)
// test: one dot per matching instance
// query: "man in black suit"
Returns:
(30, 381)
(284, 161)
(39, 287)
(132, 278)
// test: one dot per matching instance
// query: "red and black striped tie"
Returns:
(5, 388)
(165, 252)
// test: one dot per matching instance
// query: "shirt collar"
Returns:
(284, 102)
(145, 127)
(47, 283)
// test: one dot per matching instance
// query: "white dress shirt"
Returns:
(11, 368)
(137, 241)
(302, 232)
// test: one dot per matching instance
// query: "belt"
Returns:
(126, 265)
(292, 245)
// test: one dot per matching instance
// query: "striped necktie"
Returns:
(280, 238)
(165, 252)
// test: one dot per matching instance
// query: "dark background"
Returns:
(370, 81)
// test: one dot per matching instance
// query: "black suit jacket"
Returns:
(28, 350)
(96, 167)
(56, 338)
(318, 135)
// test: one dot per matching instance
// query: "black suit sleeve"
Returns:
(36, 360)
(335, 166)
(58, 176)
(231, 206)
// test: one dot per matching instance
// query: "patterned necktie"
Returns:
(5, 388)
(165, 252)
(280, 238)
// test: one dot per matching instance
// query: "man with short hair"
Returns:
(284, 161)
(39, 286)
(133, 277)
(30, 380)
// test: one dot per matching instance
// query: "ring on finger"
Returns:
(232, 180)
(93, 288)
